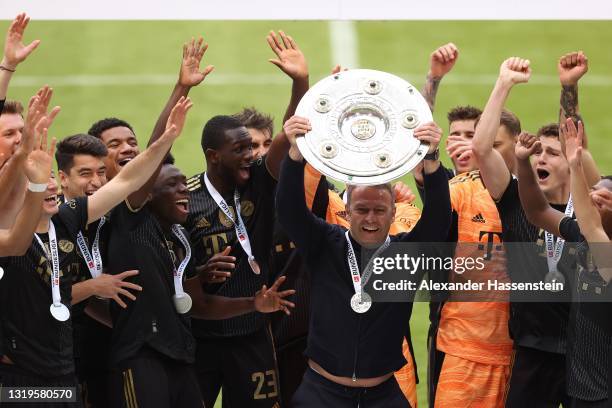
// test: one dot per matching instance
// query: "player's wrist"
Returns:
(294, 154)
(9, 66)
(37, 187)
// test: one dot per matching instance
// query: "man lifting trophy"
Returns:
(365, 128)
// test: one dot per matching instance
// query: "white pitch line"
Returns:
(343, 43)
(217, 79)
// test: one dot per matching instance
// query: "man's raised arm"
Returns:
(300, 224)
(15, 51)
(587, 215)
(139, 170)
(441, 61)
(493, 169)
(571, 68)
(37, 168)
(189, 76)
(290, 59)
(12, 176)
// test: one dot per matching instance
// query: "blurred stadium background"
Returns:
(127, 69)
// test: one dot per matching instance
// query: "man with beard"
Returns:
(231, 222)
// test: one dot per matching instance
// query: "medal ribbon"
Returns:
(354, 268)
(241, 231)
(554, 250)
(93, 259)
(178, 272)
(54, 256)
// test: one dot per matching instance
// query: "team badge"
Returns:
(223, 218)
(202, 223)
(71, 204)
(66, 246)
(247, 208)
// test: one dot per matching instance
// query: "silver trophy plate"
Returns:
(362, 126)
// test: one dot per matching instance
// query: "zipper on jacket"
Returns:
(354, 378)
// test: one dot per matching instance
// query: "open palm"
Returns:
(190, 74)
(290, 58)
(15, 51)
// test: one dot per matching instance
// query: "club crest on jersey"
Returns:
(223, 218)
(202, 223)
(66, 246)
(247, 208)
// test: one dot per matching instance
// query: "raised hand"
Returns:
(602, 199)
(15, 51)
(290, 58)
(442, 60)
(177, 118)
(216, 270)
(39, 162)
(403, 193)
(271, 300)
(515, 70)
(430, 133)
(190, 74)
(37, 118)
(572, 67)
(458, 147)
(296, 126)
(111, 286)
(573, 138)
(527, 145)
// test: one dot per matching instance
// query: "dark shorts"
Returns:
(12, 376)
(244, 367)
(317, 391)
(91, 366)
(292, 363)
(152, 380)
(537, 380)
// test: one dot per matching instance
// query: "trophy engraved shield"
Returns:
(362, 126)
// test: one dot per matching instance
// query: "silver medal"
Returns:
(361, 302)
(254, 265)
(182, 303)
(1, 272)
(555, 277)
(59, 312)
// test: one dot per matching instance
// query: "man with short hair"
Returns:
(589, 333)
(538, 329)
(38, 350)
(232, 216)
(82, 172)
(260, 127)
(352, 356)
(14, 241)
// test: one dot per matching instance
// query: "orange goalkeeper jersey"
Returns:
(477, 331)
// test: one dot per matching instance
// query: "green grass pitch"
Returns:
(126, 69)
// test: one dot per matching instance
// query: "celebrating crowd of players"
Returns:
(140, 287)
